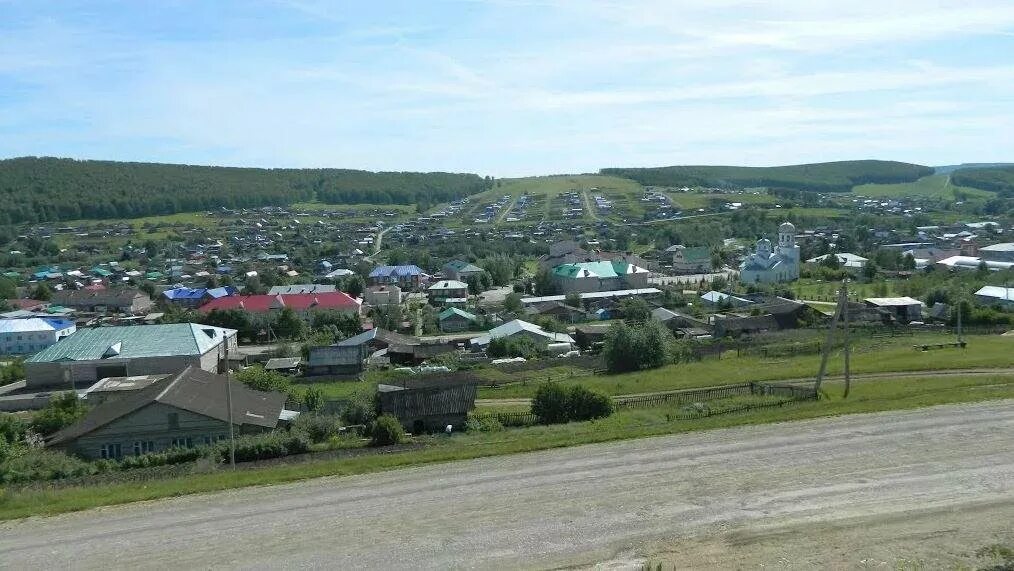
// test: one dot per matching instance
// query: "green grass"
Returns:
(897, 355)
(866, 397)
(551, 186)
(695, 200)
(315, 206)
(822, 290)
(936, 186)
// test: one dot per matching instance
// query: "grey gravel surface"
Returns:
(611, 503)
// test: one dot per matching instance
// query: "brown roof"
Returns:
(119, 297)
(194, 390)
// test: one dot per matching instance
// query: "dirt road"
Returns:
(931, 485)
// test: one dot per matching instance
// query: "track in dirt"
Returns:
(564, 507)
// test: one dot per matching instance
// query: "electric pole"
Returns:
(228, 403)
(838, 313)
(848, 341)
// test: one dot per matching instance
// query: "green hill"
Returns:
(998, 180)
(935, 186)
(50, 189)
(838, 176)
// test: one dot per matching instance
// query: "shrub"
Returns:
(516, 346)
(386, 431)
(362, 408)
(313, 399)
(645, 345)
(256, 377)
(586, 404)
(483, 424)
(555, 404)
(550, 404)
(317, 427)
(61, 412)
(12, 428)
(40, 465)
(265, 446)
(165, 458)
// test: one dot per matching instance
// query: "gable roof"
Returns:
(463, 267)
(97, 297)
(297, 301)
(194, 390)
(447, 284)
(396, 271)
(452, 311)
(997, 292)
(166, 340)
(378, 334)
(517, 326)
(34, 324)
(302, 288)
(602, 269)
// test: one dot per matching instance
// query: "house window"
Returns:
(110, 451)
(143, 447)
(182, 442)
(174, 421)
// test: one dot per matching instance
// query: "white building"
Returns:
(519, 327)
(996, 295)
(26, 336)
(766, 266)
(845, 260)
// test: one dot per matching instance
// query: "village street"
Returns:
(931, 485)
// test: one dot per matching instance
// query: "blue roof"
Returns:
(184, 293)
(398, 271)
(364, 337)
(224, 291)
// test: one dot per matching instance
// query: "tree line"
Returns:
(43, 189)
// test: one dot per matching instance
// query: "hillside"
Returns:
(935, 186)
(998, 180)
(948, 169)
(838, 176)
(50, 189)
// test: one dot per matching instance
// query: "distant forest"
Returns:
(820, 177)
(50, 189)
(998, 180)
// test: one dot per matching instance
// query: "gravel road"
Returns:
(935, 483)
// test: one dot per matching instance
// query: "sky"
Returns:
(508, 87)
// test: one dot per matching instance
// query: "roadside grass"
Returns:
(866, 397)
(869, 356)
(934, 186)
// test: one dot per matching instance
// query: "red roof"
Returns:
(27, 304)
(297, 301)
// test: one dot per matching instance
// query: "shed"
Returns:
(427, 409)
(902, 308)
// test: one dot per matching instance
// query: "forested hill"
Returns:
(50, 189)
(838, 176)
(998, 180)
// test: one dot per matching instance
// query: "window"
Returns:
(143, 447)
(182, 442)
(174, 421)
(110, 451)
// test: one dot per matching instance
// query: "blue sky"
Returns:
(508, 87)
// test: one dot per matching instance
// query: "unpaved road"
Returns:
(931, 485)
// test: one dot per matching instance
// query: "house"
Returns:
(283, 364)
(92, 354)
(302, 303)
(846, 260)
(677, 321)
(973, 263)
(337, 360)
(193, 298)
(405, 276)
(302, 288)
(718, 299)
(416, 354)
(428, 408)
(588, 336)
(903, 309)
(445, 290)
(998, 252)
(695, 260)
(28, 304)
(182, 410)
(25, 336)
(766, 266)
(382, 295)
(996, 296)
(461, 271)
(558, 310)
(130, 301)
(584, 277)
(519, 327)
(452, 320)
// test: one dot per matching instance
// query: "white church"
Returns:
(765, 266)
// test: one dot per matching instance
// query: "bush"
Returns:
(265, 446)
(386, 431)
(41, 465)
(317, 427)
(61, 412)
(257, 378)
(12, 428)
(550, 404)
(313, 399)
(362, 408)
(165, 458)
(645, 345)
(483, 424)
(516, 346)
(585, 404)
(554, 404)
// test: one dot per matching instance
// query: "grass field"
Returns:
(820, 291)
(936, 186)
(869, 356)
(866, 397)
(695, 200)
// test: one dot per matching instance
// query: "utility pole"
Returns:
(838, 310)
(961, 335)
(228, 403)
(848, 341)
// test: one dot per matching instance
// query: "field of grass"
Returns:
(866, 397)
(936, 186)
(314, 206)
(554, 185)
(821, 291)
(869, 356)
(695, 200)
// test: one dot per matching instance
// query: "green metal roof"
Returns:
(697, 253)
(452, 311)
(168, 340)
(591, 269)
(460, 266)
